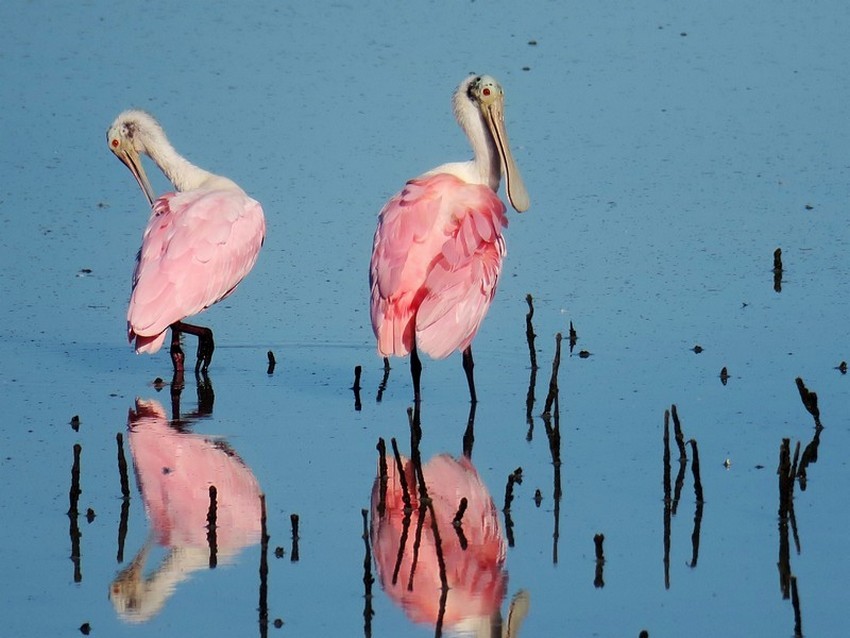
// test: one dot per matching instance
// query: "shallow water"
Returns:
(668, 151)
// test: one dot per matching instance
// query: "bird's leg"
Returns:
(177, 384)
(415, 372)
(206, 344)
(468, 365)
(206, 395)
(177, 356)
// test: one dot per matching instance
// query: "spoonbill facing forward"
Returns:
(199, 244)
(438, 248)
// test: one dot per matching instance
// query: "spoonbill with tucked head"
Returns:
(438, 248)
(199, 243)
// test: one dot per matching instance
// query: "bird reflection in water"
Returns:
(196, 526)
(443, 564)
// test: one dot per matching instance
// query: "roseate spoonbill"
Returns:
(199, 243)
(438, 248)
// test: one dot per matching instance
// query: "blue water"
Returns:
(668, 150)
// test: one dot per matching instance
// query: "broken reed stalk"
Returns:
(787, 472)
(810, 401)
(402, 477)
(553, 381)
(383, 478)
(573, 337)
(695, 469)
(777, 270)
(122, 467)
(677, 429)
(368, 579)
(529, 332)
(212, 533)
(356, 388)
(73, 513)
(75, 491)
(668, 502)
(383, 384)
(122, 529)
(795, 603)
(293, 519)
(599, 580)
(513, 477)
(272, 363)
(263, 606)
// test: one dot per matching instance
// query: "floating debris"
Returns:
(724, 375)
(75, 423)
(272, 362)
(697, 349)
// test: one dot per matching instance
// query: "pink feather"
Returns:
(197, 247)
(436, 259)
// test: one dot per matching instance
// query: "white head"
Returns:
(482, 95)
(132, 133)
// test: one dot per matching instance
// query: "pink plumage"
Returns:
(199, 243)
(197, 247)
(436, 259)
(438, 249)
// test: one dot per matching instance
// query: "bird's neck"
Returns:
(181, 172)
(486, 163)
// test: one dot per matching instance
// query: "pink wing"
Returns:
(196, 249)
(436, 259)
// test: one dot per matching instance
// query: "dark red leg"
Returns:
(177, 356)
(415, 372)
(206, 344)
(468, 365)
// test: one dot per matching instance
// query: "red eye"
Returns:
(486, 91)
(114, 143)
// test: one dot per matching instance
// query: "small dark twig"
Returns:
(777, 270)
(356, 388)
(212, 533)
(695, 469)
(553, 381)
(529, 332)
(293, 555)
(599, 580)
(677, 429)
(810, 401)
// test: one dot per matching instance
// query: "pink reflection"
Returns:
(475, 575)
(175, 470)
